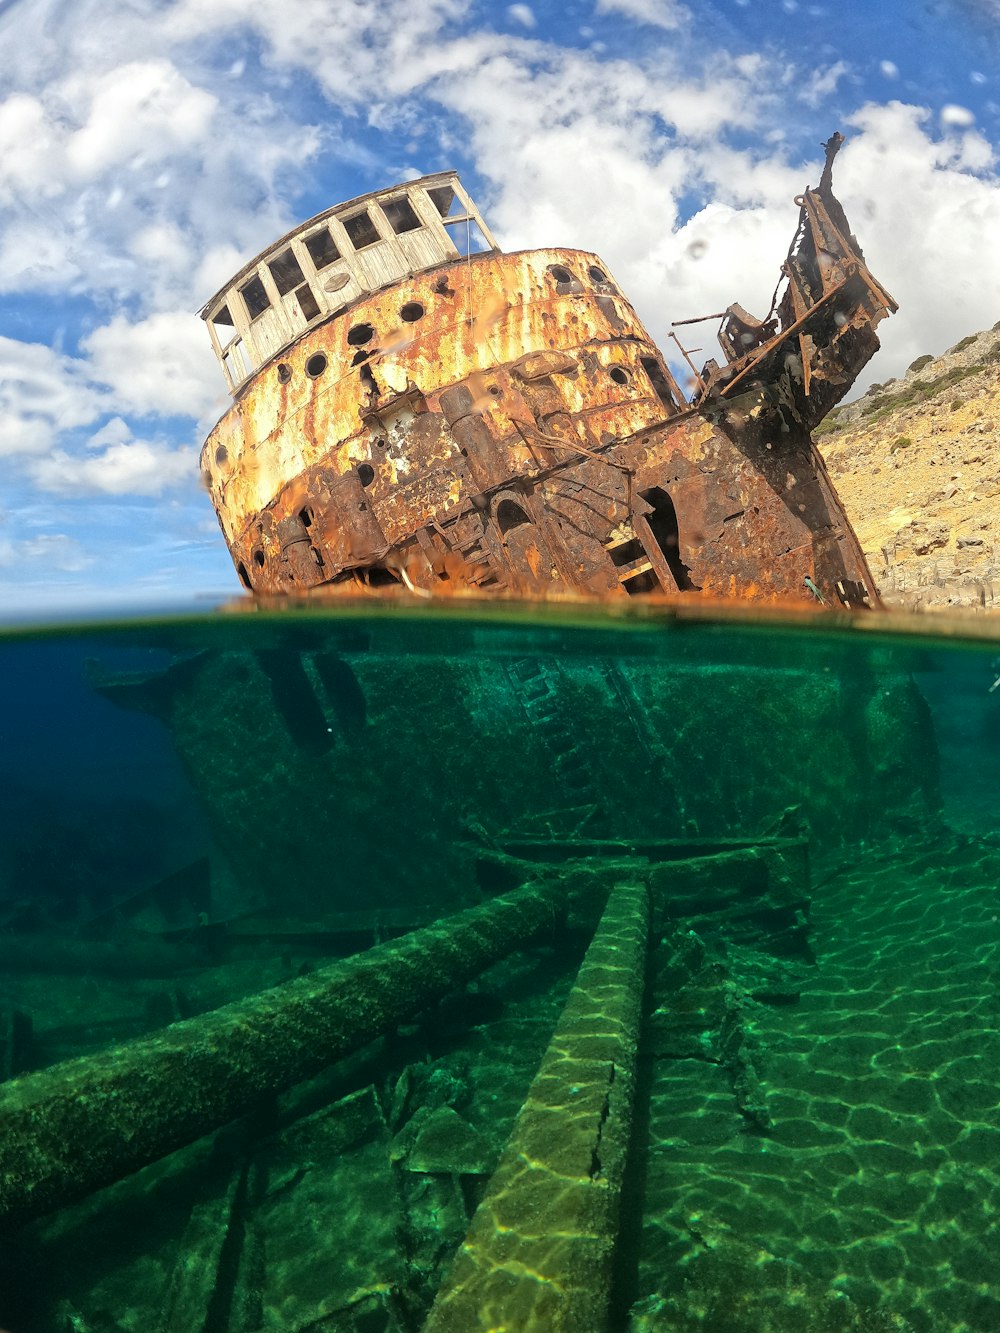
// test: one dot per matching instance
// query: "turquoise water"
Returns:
(801, 1128)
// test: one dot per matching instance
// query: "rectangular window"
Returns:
(286, 272)
(322, 250)
(237, 362)
(400, 215)
(361, 230)
(466, 236)
(307, 302)
(222, 323)
(446, 201)
(255, 298)
(658, 380)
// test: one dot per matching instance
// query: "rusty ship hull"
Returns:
(503, 423)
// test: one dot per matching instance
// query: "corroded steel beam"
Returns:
(83, 1124)
(539, 1252)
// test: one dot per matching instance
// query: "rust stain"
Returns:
(503, 423)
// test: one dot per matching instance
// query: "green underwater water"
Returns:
(800, 1128)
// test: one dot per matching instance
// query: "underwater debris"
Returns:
(440, 1141)
(70, 1129)
(539, 1251)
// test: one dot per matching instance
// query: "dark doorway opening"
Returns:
(662, 523)
(510, 515)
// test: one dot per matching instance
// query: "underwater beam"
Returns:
(71, 1129)
(538, 1255)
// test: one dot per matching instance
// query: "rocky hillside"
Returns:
(917, 464)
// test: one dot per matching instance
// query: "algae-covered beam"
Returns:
(88, 1122)
(538, 1255)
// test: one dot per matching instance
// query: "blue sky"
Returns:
(148, 148)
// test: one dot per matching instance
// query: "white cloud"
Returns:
(522, 14)
(823, 82)
(160, 365)
(666, 14)
(369, 51)
(51, 550)
(35, 257)
(162, 244)
(32, 160)
(957, 117)
(138, 467)
(41, 394)
(115, 431)
(163, 363)
(576, 146)
(136, 113)
(88, 124)
(117, 177)
(923, 208)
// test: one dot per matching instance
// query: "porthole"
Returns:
(561, 273)
(366, 474)
(619, 375)
(222, 455)
(597, 274)
(411, 312)
(258, 558)
(360, 334)
(284, 372)
(316, 365)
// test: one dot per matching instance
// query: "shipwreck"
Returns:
(413, 406)
(496, 986)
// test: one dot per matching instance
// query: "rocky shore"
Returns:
(917, 465)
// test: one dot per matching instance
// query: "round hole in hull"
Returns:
(561, 273)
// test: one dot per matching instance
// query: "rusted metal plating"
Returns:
(505, 423)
